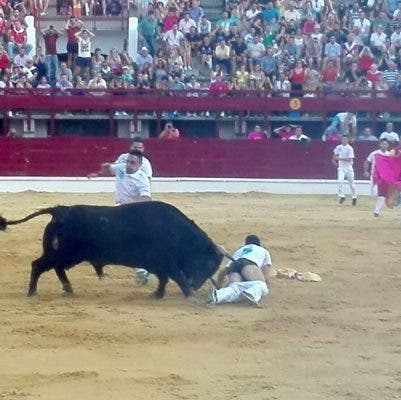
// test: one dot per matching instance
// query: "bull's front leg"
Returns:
(161, 289)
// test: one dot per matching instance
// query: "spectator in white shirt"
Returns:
(377, 40)
(186, 23)
(389, 134)
(174, 37)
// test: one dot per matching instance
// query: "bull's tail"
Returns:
(4, 223)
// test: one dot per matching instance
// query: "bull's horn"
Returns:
(224, 252)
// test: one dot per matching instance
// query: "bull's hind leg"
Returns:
(161, 289)
(62, 276)
(39, 266)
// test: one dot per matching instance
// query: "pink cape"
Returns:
(387, 174)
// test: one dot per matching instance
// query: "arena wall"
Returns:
(201, 158)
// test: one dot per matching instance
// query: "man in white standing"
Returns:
(246, 277)
(343, 158)
(132, 186)
(142, 276)
(137, 144)
(369, 166)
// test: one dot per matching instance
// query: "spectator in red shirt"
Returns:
(366, 59)
(17, 38)
(50, 36)
(169, 132)
(72, 27)
(218, 86)
(257, 134)
(4, 59)
(170, 20)
(298, 76)
(330, 73)
(373, 75)
(2, 22)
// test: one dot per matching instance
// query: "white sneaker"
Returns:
(212, 299)
(207, 114)
(189, 68)
(142, 277)
(249, 298)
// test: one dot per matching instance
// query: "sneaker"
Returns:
(207, 114)
(341, 200)
(142, 277)
(222, 114)
(354, 201)
(212, 298)
(249, 298)
(376, 214)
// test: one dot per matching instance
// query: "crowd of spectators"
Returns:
(300, 45)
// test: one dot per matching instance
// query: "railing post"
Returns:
(52, 123)
(111, 122)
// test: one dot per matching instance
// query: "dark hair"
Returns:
(138, 139)
(252, 239)
(136, 153)
(384, 140)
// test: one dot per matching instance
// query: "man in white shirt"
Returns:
(341, 123)
(343, 158)
(246, 277)
(396, 37)
(132, 184)
(174, 37)
(138, 145)
(186, 24)
(389, 134)
(369, 166)
(377, 40)
(364, 26)
(299, 135)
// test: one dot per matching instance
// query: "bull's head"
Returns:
(204, 266)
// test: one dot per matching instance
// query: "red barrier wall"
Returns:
(77, 156)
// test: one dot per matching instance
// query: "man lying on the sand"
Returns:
(246, 277)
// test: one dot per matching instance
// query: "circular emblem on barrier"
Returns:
(295, 104)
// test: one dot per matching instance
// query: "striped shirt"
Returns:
(391, 77)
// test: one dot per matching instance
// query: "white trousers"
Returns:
(380, 200)
(346, 174)
(232, 293)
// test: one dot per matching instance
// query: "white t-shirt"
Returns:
(390, 136)
(300, 137)
(371, 158)
(84, 48)
(256, 254)
(129, 187)
(344, 118)
(344, 151)
(146, 167)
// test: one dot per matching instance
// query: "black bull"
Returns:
(152, 235)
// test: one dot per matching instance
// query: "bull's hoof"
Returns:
(194, 301)
(32, 293)
(68, 290)
(157, 295)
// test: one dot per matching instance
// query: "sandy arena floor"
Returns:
(338, 339)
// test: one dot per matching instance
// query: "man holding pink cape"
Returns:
(387, 176)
